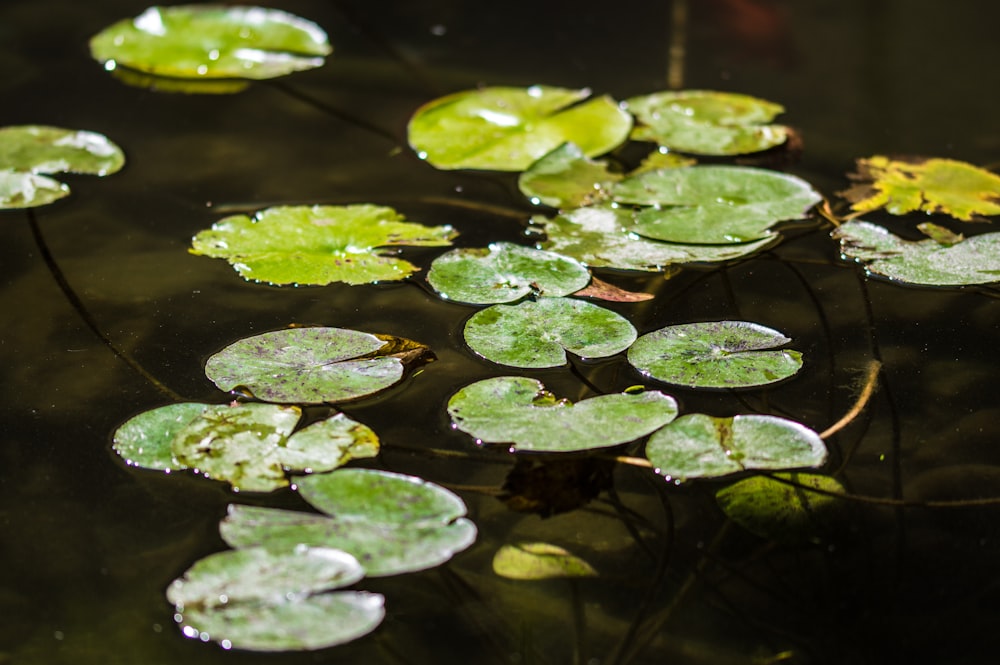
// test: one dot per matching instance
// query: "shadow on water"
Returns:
(107, 315)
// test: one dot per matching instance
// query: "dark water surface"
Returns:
(88, 545)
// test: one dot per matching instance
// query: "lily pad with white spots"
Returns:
(518, 411)
(212, 41)
(941, 260)
(507, 128)
(715, 354)
(700, 446)
(504, 272)
(538, 333)
(318, 245)
(312, 365)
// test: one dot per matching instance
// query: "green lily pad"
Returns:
(714, 204)
(318, 244)
(250, 446)
(262, 600)
(28, 190)
(537, 333)
(566, 178)
(309, 365)
(392, 523)
(504, 272)
(601, 237)
(944, 261)
(700, 446)
(506, 129)
(941, 186)
(539, 561)
(779, 511)
(706, 122)
(519, 411)
(715, 354)
(212, 41)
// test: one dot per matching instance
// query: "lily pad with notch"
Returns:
(567, 178)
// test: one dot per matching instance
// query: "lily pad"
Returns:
(212, 41)
(714, 204)
(601, 237)
(262, 600)
(318, 244)
(943, 186)
(519, 411)
(506, 129)
(28, 190)
(537, 333)
(942, 261)
(504, 272)
(715, 354)
(700, 446)
(706, 122)
(146, 440)
(567, 178)
(392, 523)
(539, 561)
(308, 365)
(781, 511)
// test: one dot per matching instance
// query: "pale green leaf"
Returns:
(20, 189)
(44, 149)
(539, 561)
(566, 178)
(146, 440)
(781, 511)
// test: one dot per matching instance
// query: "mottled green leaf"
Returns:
(318, 244)
(27, 190)
(307, 365)
(537, 333)
(601, 237)
(929, 262)
(44, 149)
(700, 446)
(518, 411)
(328, 444)
(715, 354)
(212, 41)
(781, 511)
(146, 440)
(707, 122)
(714, 204)
(566, 178)
(504, 272)
(506, 129)
(941, 186)
(539, 561)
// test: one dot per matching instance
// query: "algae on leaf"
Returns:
(507, 129)
(318, 244)
(211, 42)
(943, 186)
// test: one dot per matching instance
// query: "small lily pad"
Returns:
(539, 561)
(506, 129)
(318, 244)
(946, 260)
(537, 333)
(700, 446)
(707, 122)
(308, 365)
(146, 440)
(601, 237)
(567, 178)
(716, 354)
(943, 186)
(519, 411)
(211, 42)
(504, 272)
(714, 204)
(781, 511)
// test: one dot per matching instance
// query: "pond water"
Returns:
(88, 545)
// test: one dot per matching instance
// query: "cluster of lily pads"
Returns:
(282, 585)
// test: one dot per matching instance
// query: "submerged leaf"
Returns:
(318, 244)
(566, 178)
(504, 272)
(941, 186)
(930, 262)
(707, 122)
(539, 561)
(782, 511)
(700, 446)
(518, 411)
(506, 129)
(537, 333)
(715, 354)
(212, 41)
(714, 204)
